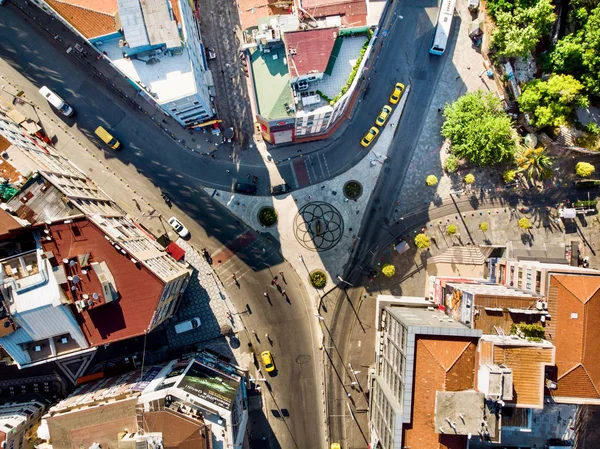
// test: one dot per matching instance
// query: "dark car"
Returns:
(249, 189)
(280, 189)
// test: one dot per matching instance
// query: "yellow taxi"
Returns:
(336, 446)
(267, 360)
(397, 93)
(366, 141)
(383, 115)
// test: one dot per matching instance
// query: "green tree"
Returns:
(535, 164)
(451, 229)
(524, 224)
(469, 179)
(484, 226)
(519, 31)
(578, 54)
(431, 180)
(422, 241)
(388, 270)
(584, 169)
(479, 129)
(552, 102)
(451, 163)
(509, 176)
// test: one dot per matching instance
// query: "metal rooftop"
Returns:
(132, 21)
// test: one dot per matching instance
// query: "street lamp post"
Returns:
(345, 282)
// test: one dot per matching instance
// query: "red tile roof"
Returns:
(309, 51)
(138, 289)
(178, 431)
(353, 12)
(441, 364)
(574, 305)
(92, 18)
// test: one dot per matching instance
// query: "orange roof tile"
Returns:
(444, 364)
(574, 302)
(352, 12)
(528, 364)
(92, 18)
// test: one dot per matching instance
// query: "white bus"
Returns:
(442, 27)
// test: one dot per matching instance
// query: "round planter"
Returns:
(267, 216)
(353, 190)
(318, 279)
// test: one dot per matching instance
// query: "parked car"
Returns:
(267, 360)
(397, 93)
(179, 227)
(249, 189)
(366, 141)
(336, 446)
(383, 115)
(107, 138)
(187, 325)
(280, 189)
(57, 102)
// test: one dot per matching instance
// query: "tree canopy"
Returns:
(551, 102)
(519, 30)
(479, 129)
(578, 54)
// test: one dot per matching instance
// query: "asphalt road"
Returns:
(148, 154)
(293, 393)
(404, 57)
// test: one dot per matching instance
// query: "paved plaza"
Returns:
(343, 214)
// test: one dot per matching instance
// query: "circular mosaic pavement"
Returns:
(318, 226)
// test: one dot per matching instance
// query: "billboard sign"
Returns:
(210, 385)
(458, 304)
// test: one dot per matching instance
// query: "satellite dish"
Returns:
(95, 295)
(76, 279)
(72, 263)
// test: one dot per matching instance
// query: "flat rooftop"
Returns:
(426, 317)
(167, 77)
(81, 243)
(271, 81)
(459, 412)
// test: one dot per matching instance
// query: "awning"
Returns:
(567, 213)
(175, 251)
(402, 247)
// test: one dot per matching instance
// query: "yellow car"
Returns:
(383, 115)
(267, 360)
(366, 141)
(336, 446)
(397, 93)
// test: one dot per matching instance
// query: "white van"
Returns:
(57, 102)
(188, 325)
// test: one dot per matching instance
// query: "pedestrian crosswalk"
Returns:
(246, 254)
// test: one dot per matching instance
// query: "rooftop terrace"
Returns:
(271, 81)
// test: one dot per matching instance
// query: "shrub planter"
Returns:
(353, 190)
(267, 216)
(318, 279)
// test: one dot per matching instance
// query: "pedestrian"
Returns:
(234, 277)
(266, 295)
(267, 336)
(283, 293)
